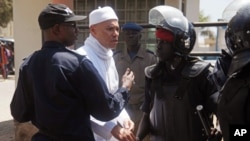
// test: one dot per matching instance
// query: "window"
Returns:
(127, 11)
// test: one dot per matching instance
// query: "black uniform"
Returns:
(58, 90)
(234, 104)
(234, 100)
(219, 75)
(171, 98)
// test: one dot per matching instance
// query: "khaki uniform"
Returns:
(141, 60)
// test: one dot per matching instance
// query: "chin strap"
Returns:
(175, 62)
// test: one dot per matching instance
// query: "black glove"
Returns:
(215, 135)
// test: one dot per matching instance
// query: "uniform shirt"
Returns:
(137, 64)
(59, 89)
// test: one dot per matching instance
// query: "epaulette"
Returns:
(116, 52)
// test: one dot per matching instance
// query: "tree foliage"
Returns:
(205, 31)
(6, 12)
(202, 17)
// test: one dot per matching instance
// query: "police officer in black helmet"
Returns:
(177, 83)
(234, 100)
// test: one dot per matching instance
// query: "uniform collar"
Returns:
(139, 54)
(53, 44)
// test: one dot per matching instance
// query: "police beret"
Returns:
(131, 26)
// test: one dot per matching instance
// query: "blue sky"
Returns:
(214, 8)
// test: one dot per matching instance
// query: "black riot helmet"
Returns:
(173, 20)
(237, 34)
(192, 36)
(237, 38)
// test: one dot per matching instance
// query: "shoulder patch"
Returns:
(195, 68)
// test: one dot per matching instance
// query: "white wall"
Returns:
(193, 10)
(27, 33)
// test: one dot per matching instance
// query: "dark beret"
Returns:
(131, 26)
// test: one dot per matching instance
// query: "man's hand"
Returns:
(128, 79)
(123, 134)
(129, 124)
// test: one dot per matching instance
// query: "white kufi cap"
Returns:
(101, 14)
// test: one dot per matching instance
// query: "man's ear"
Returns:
(92, 29)
(56, 29)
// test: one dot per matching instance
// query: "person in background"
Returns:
(58, 89)
(8, 44)
(3, 60)
(103, 37)
(137, 58)
(177, 83)
(234, 100)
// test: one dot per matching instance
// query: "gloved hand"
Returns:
(215, 135)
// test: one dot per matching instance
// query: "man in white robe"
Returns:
(103, 37)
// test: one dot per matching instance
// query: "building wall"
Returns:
(193, 10)
(174, 3)
(27, 33)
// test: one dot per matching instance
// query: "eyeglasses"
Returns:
(69, 24)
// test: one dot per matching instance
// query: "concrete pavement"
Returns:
(7, 88)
